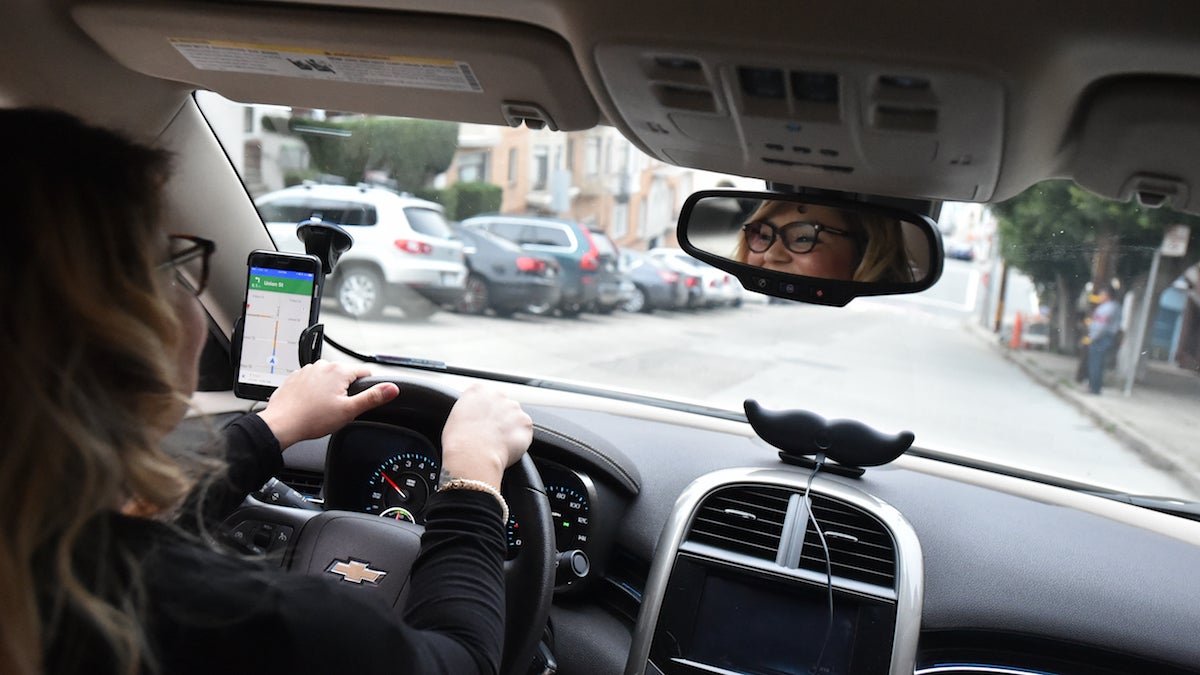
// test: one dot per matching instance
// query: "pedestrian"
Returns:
(1102, 336)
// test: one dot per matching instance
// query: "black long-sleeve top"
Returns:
(208, 612)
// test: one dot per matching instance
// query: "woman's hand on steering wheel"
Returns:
(485, 433)
(313, 402)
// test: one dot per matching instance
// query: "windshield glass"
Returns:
(991, 363)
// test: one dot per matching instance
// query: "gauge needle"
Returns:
(403, 494)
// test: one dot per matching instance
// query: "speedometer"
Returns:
(400, 486)
(569, 510)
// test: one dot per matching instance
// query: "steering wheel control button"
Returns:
(356, 572)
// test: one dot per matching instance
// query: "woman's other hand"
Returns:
(312, 402)
(485, 433)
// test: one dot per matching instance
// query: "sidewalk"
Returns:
(1160, 420)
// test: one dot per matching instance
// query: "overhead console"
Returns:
(879, 127)
(739, 583)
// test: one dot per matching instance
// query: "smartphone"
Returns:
(283, 297)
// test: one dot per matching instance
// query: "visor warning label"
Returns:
(315, 64)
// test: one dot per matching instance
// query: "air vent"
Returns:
(307, 483)
(860, 547)
(746, 520)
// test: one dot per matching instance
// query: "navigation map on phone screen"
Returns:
(278, 306)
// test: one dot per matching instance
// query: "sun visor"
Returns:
(1138, 139)
(413, 65)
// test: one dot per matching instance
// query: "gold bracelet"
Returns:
(478, 486)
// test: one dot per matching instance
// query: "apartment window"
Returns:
(248, 120)
(591, 156)
(472, 167)
(539, 170)
(512, 166)
(620, 221)
(570, 154)
(641, 219)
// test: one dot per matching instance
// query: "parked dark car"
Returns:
(960, 251)
(505, 278)
(655, 286)
(568, 242)
(614, 287)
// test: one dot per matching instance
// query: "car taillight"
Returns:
(691, 282)
(413, 246)
(531, 265)
(668, 276)
(591, 260)
(712, 283)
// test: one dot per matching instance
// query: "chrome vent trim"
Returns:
(757, 521)
(909, 583)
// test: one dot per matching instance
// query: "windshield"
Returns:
(990, 364)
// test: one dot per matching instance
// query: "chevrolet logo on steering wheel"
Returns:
(355, 571)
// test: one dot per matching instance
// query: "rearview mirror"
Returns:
(813, 249)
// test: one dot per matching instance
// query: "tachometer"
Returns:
(401, 486)
(569, 511)
(514, 539)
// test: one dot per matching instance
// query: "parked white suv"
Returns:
(404, 254)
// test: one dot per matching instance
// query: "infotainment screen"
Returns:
(718, 619)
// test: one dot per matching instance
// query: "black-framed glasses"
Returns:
(188, 258)
(798, 237)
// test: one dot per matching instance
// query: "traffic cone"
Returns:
(1015, 342)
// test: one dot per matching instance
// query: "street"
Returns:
(903, 362)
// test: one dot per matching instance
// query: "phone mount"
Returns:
(327, 242)
(801, 435)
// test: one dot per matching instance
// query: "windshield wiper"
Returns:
(1168, 505)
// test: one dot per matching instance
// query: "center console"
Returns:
(740, 581)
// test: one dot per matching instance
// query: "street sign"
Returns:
(1175, 241)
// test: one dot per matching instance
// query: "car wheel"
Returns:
(475, 299)
(571, 310)
(360, 293)
(636, 302)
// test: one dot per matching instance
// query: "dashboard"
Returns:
(937, 567)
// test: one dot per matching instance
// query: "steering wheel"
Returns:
(358, 546)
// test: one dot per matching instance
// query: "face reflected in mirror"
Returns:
(811, 240)
(814, 241)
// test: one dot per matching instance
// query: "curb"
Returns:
(1153, 453)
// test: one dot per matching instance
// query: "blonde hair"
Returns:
(882, 253)
(90, 380)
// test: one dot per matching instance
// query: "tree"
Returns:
(1063, 236)
(410, 152)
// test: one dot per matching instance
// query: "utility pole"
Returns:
(1000, 297)
(1174, 245)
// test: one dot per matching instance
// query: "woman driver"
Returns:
(100, 352)
(823, 242)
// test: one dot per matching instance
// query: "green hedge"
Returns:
(463, 200)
